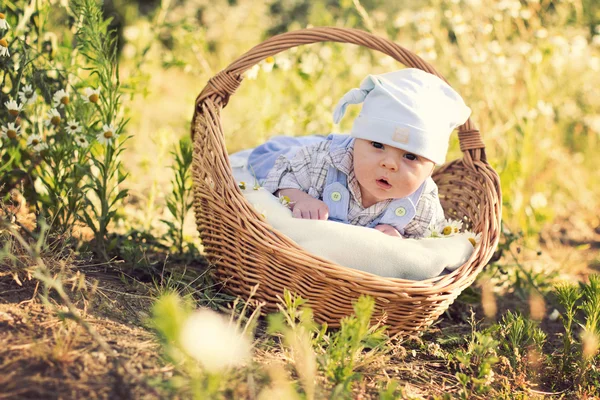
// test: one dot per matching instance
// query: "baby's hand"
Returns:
(388, 230)
(310, 208)
(305, 206)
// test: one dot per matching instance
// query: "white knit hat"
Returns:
(410, 109)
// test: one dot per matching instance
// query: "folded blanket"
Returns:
(356, 247)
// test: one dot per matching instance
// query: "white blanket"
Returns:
(357, 247)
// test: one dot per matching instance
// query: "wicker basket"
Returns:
(247, 251)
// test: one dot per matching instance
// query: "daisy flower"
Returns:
(36, 143)
(10, 131)
(107, 135)
(473, 238)
(3, 23)
(53, 117)
(73, 127)
(27, 95)
(268, 64)
(432, 232)
(61, 98)
(4, 48)
(242, 185)
(214, 341)
(91, 95)
(285, 200)
(13, 107)
(284, 63)
(450, 227)
(81, 142)
(252, 73)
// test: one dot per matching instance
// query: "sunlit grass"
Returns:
(528, 69)
(525, 70)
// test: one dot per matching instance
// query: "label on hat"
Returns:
(401, 135)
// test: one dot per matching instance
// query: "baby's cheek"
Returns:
(361, 175)
(418, 176)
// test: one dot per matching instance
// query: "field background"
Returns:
(529, 79)
(528, 69)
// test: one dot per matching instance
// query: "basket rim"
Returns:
(218, 90)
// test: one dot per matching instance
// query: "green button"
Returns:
(400, 211)
(336, 196)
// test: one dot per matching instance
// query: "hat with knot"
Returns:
(410, 109)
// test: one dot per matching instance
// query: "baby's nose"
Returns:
(389, 163)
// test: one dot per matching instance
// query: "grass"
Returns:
(78, 322)
(464, 355)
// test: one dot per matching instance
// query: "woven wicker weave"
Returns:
(247, 251)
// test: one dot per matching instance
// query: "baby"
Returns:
(379, 176)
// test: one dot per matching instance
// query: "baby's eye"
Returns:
(411, 156)
(377, 145)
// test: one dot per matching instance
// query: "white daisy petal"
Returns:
(81, 141)
(73, 127)
(214, 341)
(107, 135)
(474, 238)
(4, 48)
(3, 24)
(60, 98)
(40, 147)
(285, 200)
(11, 131)
(450, 227)
(91, 95)
(252, 73)
(36, 143)
(27, 95)
(13, 107)
(54, 118)
(432, 232)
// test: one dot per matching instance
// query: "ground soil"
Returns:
(44, 355)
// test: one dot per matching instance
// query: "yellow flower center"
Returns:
(473, 242)
(74, 127)
(35, 142)
(93, 98)
(270, 60)
(447, 230)
(14, 112)
(65, 100)
(2, 16)
(108, 134)
(3, 43)
(55, 120)
(11, 133)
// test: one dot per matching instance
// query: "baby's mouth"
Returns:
(383, 183)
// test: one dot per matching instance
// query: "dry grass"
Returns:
(44, 356)
(92, 345)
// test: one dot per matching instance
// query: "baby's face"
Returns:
(385, 172)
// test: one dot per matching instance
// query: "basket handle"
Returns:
(220, 87)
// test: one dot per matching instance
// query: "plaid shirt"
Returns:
(307, 171)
